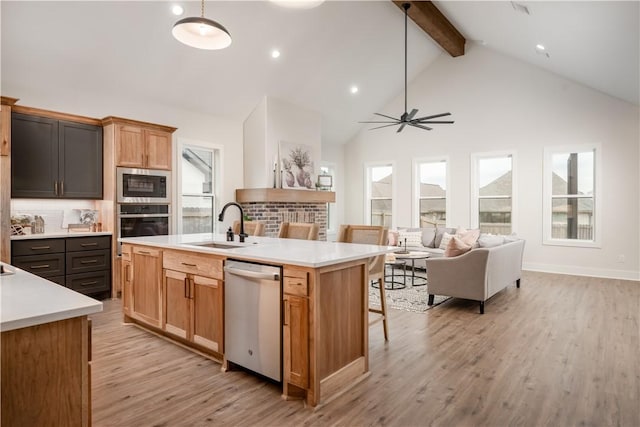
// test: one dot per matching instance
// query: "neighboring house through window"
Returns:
(197, 198)
(570, 202)
(379, 202)
(431, 192)
(492, 206)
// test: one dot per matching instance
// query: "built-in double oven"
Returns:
(144, 202)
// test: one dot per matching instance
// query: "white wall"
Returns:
(334, 153)
(501, 104)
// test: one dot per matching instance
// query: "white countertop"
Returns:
(305, 253)
(61, 234)
(28, 300)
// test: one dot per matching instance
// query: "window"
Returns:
(570, 196)
(379, 206)
(431, 191)
(197, 179)
(492, 209)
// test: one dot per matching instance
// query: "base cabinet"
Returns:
(146, 285)
(295, 329)
(126, 277)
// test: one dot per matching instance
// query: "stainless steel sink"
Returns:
(217, 245)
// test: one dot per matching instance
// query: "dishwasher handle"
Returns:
(252, 274)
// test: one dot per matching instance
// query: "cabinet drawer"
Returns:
(60, 280)
(90, 283)
(126, 252)
(36, 246)
(92, 243)
(188, 262)
(81, 262)
(295, 286)
(47, 265)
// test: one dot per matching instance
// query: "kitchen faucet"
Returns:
(242, 234)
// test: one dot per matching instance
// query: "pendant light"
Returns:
(201, 33)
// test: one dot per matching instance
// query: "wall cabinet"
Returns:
(53, 158)
(194, 298)
(140, 147)
(146, 285)
(296, 327)
(80, 263)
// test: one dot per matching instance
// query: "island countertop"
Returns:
(304, 253)
(28, 300)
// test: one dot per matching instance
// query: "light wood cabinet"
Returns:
(193, 303)
(295, 332)
(126, 276)
(146, 285)
(139, 147)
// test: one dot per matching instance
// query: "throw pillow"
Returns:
(456, 247)
(489, 241)
(393, 238)
(414, 238)
(428, 236)
(469, 236)
(446, 237)
(439, 233)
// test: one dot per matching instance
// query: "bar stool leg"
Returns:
(383, 308)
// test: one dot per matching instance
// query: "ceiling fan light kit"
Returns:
(201, 33)
(407, 119)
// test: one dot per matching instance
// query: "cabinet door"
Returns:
(80, 161)
(296, 340)
(129, 146)
(146, 286)
(207, 296)
(34, 156)
(126, 275)
(158, 155)
(177, 312)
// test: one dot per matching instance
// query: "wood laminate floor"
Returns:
(559, 351)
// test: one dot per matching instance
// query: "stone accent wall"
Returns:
(273, 213)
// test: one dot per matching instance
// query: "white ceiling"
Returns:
(126, 48)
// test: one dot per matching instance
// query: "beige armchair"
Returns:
(372, 235)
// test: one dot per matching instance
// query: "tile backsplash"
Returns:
(56, 213)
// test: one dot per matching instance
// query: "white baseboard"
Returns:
(583, 271)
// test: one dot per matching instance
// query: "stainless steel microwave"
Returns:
(143, 185)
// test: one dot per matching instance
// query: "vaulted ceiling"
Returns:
(125, 50)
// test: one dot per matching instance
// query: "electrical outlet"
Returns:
(620, 258)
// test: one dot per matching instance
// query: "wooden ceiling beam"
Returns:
(427, 16)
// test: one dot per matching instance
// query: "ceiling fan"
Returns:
(407, 119)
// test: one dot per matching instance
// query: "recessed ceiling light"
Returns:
(353, 89)
(540, 47)
(541, 50)
(275, 53)
(177, 10)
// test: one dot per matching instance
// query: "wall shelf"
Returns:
(248, 195)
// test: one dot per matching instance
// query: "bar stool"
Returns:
(299, 230)
(372, 235)
(252, 228)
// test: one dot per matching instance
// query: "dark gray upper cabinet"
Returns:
(55, 159)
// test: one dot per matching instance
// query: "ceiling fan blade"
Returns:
(401, 127)
(411, 114)
(388, 117)
(395, 122)
(435, 116)
(439, 122)
(419, 126)
(384, 126)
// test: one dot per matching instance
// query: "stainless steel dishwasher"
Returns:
(252, 323)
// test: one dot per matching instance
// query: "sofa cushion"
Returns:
(456, 247)
(428, 237)
(444, 240)
(490, 240)
(414, 238)
(438, 240)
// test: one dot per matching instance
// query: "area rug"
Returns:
(409, 299)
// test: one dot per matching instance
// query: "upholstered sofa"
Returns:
(426, 239)
(478, 274)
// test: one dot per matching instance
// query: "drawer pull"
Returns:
(187, 264)
(144, 252)
(39, 248)
(84, 245)
(36, 267)
(90, 261)
(93, 282)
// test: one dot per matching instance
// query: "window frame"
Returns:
(332, 208)
(216, 194)
(474, 207)
(548, 196)
(367, 184)
(417, 162)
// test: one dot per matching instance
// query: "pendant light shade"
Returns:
(201, 33)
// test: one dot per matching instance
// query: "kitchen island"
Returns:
(174, 285)
(45, 351)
